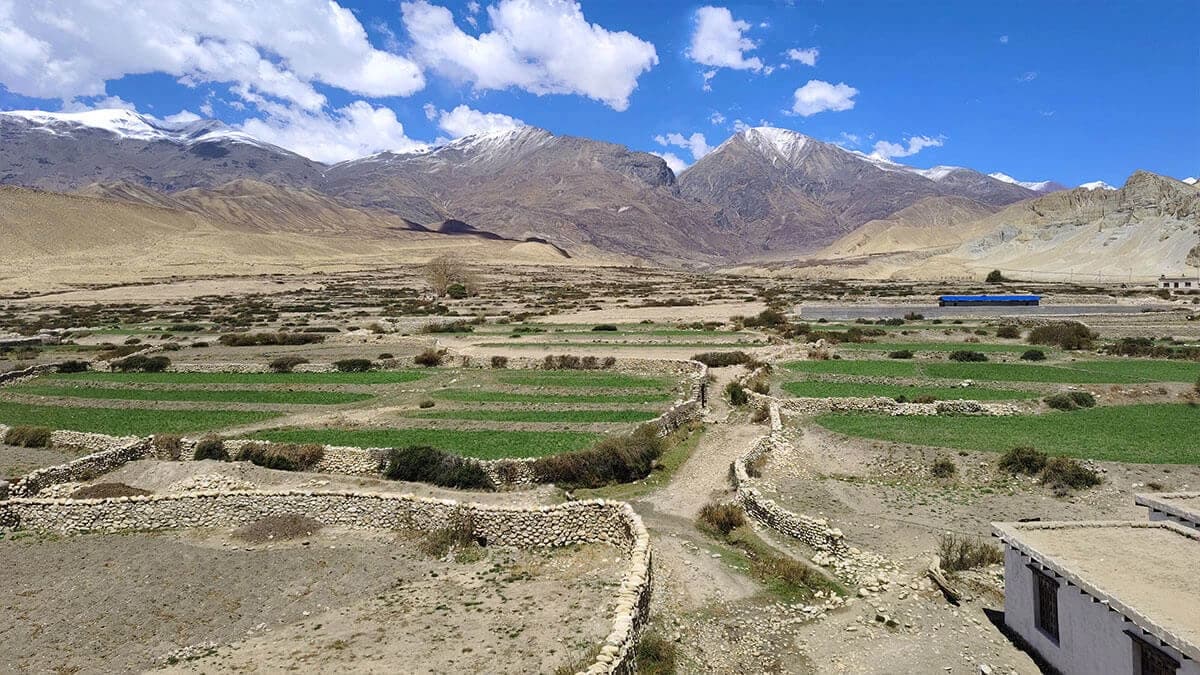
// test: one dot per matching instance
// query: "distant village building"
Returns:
(989, 300)
(1106, 597)
(1179, 283)
(1175, 507)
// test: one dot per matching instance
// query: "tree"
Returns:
(995, 277)
(448, 274)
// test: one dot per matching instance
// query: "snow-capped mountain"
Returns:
(1190, 181)
(1042, 186)
(127, 124)
(1097, 185)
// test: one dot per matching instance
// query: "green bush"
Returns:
(456, 291)
(26, 436)
(1008, 331)
(1070, 400)
(73, 366)
(1033, 355)
(943, 467)
(901, 354)
(656, 655)
(964, 553)
(286, 364)
(618, 459)
(499, 361)
(352, 365)
(421, 463)
(1024, 460)
(269, 339)
(1064, 473)
(736, 393)
(967, 356)
(721, 359)
(604, 327)
(995, 277)
(721, 517)
(1065, 334)
(211, 447)
(142, 364)
(426, 404)
(284, 456)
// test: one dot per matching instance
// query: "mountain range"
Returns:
(765, 194)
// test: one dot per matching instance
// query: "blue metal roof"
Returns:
(990, 298)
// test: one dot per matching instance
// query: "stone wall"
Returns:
(84, 468)
(14, 376)
(593, 521)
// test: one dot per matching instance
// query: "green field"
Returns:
(608, 344)
(126, 421)
(1069, 372)
(1154, 434)
(825, 389)
(937, 347)
(202, 395)
(488, 396)
(562, 416)
(572, 378)
(480, 444)
(866, 368)
(372, 377)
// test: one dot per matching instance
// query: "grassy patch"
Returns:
(540, 378)
(823, 389)
(563, 416)
(127, 421)
(633, 344)
(480, 444)
(865, 368)
(374, 377)
(932, 346)
(1072, 372)
(203, 395)
(487, 396)
(1152, 434)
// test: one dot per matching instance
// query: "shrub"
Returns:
(429, 358)
(143, 364)
(1033, 355)
(211, 447)
(964, 553)
(759, 385)
(1064, 334)
(169, 446)
(269, 339)
(278, 528)
(25, 436)
(73, 366)
(901, 354)
(721, 359)
(108, 491)
(499, 361)
(352, 365)
(1070, 400)
(1023, 460)
(426, 404)
(609, 362)
(604, 327)
(722, 517)
(995, 277)
(736, 393)
(429, 465)
(458, 534)
(572, 362)
(943, 467)
(925, 398)
(1008, 331)
(386, 356)
(456, 291)
(967, 356)
(913, 316)
(286, 364)
(617, 459)
(1063, 474)
(449, 327)
(284, 456)
(656, 655)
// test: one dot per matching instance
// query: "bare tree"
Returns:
(447, 270)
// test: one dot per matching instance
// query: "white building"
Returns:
(1105, 598)
(1179, 283)
(1175, 507)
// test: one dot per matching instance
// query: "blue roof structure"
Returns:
(990, 298)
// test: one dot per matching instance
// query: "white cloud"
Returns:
(716, 118)
(708, 77)
(431, 111)
(718, 41)
(818, 96)
(695, 144)
(182, 117)
(78, 105)
(1029, 76)
(888, 150)
(540, 46)
(849, 140)
(1003, 39)
(677, 165)
(806, 56)
(739, 126)
(49, 50)
(463, 121)
(357, 130)
(207, 109)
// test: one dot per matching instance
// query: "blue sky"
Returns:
(1067, 91)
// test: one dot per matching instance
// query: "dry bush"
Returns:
(721, 517)
(352, 365)
(618, 459)
(721, 359)
(1064, 334)
(269, 339)
(656, 655)
(430, 465)
(1063, 474)
(108, 491)
(278, 528)
(458, 535)
(499, 362)
(754, 467)
(284, 456)
(964, 553)
(1024, 460)
(28, 436)
(430, 358)
(141, 364)
(169, 446)
(943, 467)
(211, 447)
(286, 364)
(1008, 331)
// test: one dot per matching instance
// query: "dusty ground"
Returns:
(339, 601)
(16, 462)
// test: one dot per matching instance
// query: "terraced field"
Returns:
(1127, 371)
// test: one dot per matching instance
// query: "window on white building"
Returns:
(1150, 660)
(1045, 595)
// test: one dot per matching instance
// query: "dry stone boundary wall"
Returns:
(593, 521)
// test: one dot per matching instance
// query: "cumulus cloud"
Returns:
(806, 56)
(887, 150)
(79, 105)
(50, 50)
(818, 96)
(739, 126)
(716, 119)
(356, 130)
(463, 121)
(540, 46)
(849, 140)
(182, 117)
(676, 164)
(718, 40)
(695, 144)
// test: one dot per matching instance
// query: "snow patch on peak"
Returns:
(937, 173)
(131, 125)
(772, 140)
(1097, 185)
(1036, 186)
(1190, 181)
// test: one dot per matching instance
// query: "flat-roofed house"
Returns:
(1103, 597)
(1175, 507)
(1179, 283)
